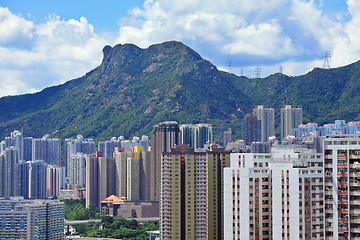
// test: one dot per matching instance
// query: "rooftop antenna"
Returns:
(257, 72)
(327, 58)
(230, 66)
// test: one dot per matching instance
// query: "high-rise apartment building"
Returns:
(196, 135)
(77, 170)
(267, 117)
(17, 140)
(47, 149)
(92, 180)
(277, 195)
(133, 179)
(100, 176)
(251, 129)
(192, 193)
(52, 181)
(165, 136)
(75, 146)
(291, 117)
(37, 179)
(31, 219)
(342, 189)
(227, 137)
(9, 159)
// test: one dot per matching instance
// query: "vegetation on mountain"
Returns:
(134, 89)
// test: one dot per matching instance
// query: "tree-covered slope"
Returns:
(134, 89)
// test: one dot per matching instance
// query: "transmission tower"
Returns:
(257, 72)
(242, 72)
(230, 66)
(281, 69)
(327, 58)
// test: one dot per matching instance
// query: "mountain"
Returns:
(134, 89)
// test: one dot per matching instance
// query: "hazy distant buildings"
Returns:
(75, 146)
(9, 159)
(196, 135)
(47, 149)
(37, 179)
(192, 193)
(251, 129)
(52, 181)
(291, 117)
(267, 117)
(227, 137)
(165, 136)
(77, 170)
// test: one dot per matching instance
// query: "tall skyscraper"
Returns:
(37, 179)
(165, 136)
(47, 149)
(78, 145)
(227, 137)
(277, 195)
(52, 181)
(192, 193)
(77, 170)
(17, 140)
(251, 129)
(267, 117)
(9, 159)
(291, 117)
(342, 189)
(107, 148)
(121, 171)
(133, 179)
(196, 135)
(92, 180)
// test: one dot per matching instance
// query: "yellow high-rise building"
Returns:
(192, 192)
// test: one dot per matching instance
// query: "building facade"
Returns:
(165, 135)
(342, 189)
(251, 129)
(291, 117)
(267, 117)
(278, 195)
(191, 193)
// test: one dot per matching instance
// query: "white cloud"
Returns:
(14, 28)
(249, 33)
(56, 51)
(291, 33)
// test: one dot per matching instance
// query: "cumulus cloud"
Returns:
(56, 51)
(14, 29)
(291, 33)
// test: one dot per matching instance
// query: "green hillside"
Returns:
(134, 89)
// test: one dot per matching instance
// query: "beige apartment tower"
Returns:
(192, 193)
(165, 136)
(291, 117)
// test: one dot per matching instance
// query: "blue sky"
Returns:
(45, 43)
